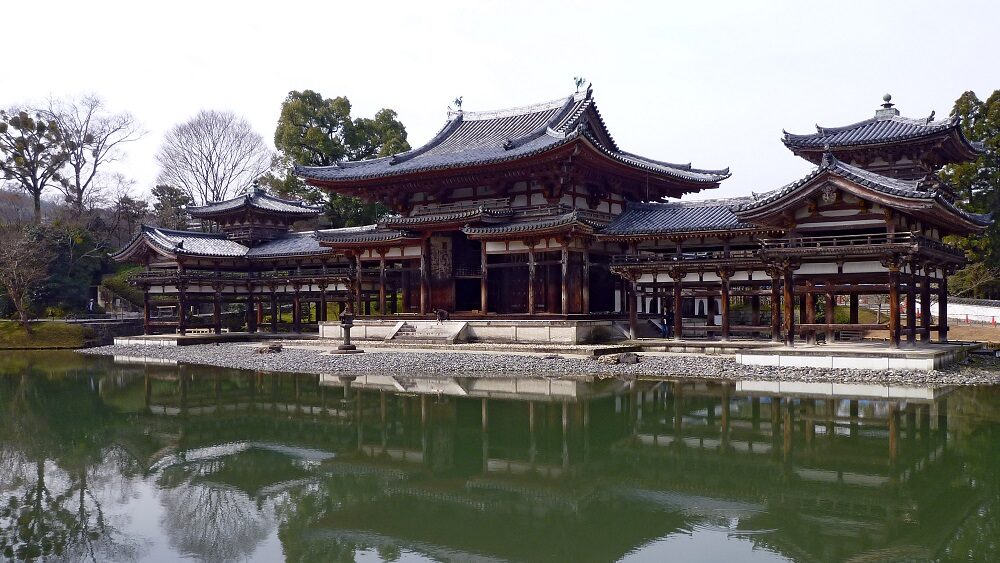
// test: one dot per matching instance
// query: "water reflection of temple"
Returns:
(530, 469)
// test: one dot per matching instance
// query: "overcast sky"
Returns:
(713, 83)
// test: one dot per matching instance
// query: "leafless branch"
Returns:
(214, 156)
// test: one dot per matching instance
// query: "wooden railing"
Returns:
(869, 239)
(653, 258)
(208, 276)
(904, 239)
(438, 208)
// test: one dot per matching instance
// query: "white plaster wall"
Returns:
(867, 266)
(817, 268)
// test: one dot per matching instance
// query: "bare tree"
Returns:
(92, 137)
(214, 156)
(24, 266)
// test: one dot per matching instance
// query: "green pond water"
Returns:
(116, 460)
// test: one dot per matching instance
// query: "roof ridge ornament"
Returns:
(887, 111)
(828, 158)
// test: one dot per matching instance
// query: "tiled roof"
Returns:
(432, 218)
(475, 138)
(539, 224)
(886, 127)
(683, 216)
(259, 200)
(193, 242)
(297, 243)
(363, 234)
(913, 189)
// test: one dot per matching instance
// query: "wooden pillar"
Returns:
(585, 284)
(381, 283)
(911, 308)
(853, 315)
(483, 303)
(181, 312)
(296, 311)
(274, 310)
(531, 277)
(425, 279)
(943, 307)
(145, 310)
(251, 313)
(359, 306)
(810, 312)
(564, 262)
(633, 314)
(925, 306)
(894, 305)
(678, 301)
(724, 294)
(775, 307)
(830, 313)
(788, 306)
(217, 312)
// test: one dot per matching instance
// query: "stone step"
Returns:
(428, 332)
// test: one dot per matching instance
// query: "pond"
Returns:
(118, 460)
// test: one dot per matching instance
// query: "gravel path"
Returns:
(979, 371)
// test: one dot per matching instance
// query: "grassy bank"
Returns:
(43, 335)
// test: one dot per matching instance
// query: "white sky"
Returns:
(712, 83)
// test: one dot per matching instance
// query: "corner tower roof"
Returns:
(255, 200)
(887, 128)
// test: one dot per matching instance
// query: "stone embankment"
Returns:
(979, 371)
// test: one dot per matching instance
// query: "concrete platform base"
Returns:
(541, 331)
(192, 339)
(701, 346)
(859, 355)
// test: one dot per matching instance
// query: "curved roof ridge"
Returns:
(179, 232)
(520, 110)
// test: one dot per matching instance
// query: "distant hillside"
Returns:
(16, 206)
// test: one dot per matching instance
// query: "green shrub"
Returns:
(118, 283)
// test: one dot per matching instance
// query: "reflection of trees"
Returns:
(53, 426)
(302, 509)
(214, 523)
(978, 538)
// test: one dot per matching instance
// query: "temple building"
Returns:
(534, 217)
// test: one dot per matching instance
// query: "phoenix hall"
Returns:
(534, 219)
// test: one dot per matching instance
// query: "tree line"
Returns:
(60, 156)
